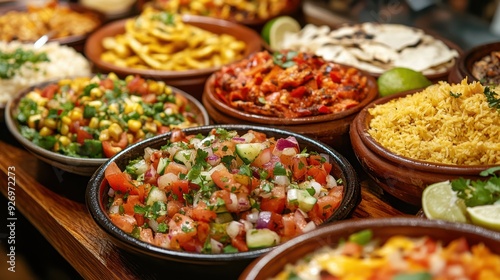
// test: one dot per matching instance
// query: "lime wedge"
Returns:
(487, 216)
(440, 202)
(401, 79)
(275, 30)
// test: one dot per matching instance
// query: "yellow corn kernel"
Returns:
(115, 130)
(130, 138)
(140, 134)
(151, 127)
(64, 82)
(64, 129)
(66, 120)
(34, 120)
(65, 141)
(112, 76)
(104, 124)
(129, 78)
(104, 135)
(158, 123)
(94, 122)
(45, 131)
(96, 93)
(75, 115)
(134, 125)
(129, 108)
(113, 108)
(50, 123)
(153, 86)
(85, 99)
(95, 103)
(139, 109)
(168, 90)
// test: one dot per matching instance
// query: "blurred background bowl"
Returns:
(402, 177)
(77, 41)
(80, 166)
(191, 81)
(331, 129)
(225, 265)
(271, 264)
(465, 63)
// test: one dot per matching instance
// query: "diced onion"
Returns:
(233, 229)
(239, 139)
(148, 152)
(310, 226)
(153, 224)
(281, 180)
(263, 220)
(216, 246)
(111, 192)
(213, 160)
(330, 182)
(289, 142)
(252, 217)
(166, 179)
(115, 209)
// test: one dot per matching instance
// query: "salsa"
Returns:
(400, 257)
(222, 192)
(96, 117)
(289, 84)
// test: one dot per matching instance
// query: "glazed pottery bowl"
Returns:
(228, 264)
(463, 67)
(402, 177)
(271, 264)
(76, 165)
(191, 81)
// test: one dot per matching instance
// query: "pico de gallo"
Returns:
(290, 84)
(222, 192)
(398, 258)
(96, 117)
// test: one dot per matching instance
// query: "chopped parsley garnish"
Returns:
(479, 192)
(491, 97)
(456, 95)
(11, 62)
(284, 60)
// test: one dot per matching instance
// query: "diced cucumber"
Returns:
(306, 201)
(162, 164)
(261, 238)
(249, 151)
(224, 217)
(155, 194)
(185, 157)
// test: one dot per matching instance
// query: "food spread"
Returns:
(223, 192)
(400, 257)
(290, 84)
(98, 117)
(375, 47)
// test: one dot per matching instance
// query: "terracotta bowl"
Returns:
(402, 177)
(225, 265)
(270, 265)
(463, 67)
(80, 166)
(191, 81)
(75, 41)
(331, 129)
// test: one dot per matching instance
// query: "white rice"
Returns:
(64, 62)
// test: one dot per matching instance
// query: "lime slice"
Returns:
(487, 216)
(401, 79)
(440, 202)
(275, 30)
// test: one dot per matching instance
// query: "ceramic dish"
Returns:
(404, 178)
(270, 265)
(81, 166)
(191, 81)
(228, 264)
(463, 68)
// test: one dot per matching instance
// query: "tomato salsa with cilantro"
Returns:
(96, 117)
(222, 192)
(290, 84)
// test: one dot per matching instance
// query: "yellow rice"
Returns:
(434, 126)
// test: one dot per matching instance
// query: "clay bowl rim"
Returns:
(261, 119)
(96, 192)
(93, 47)
(362, 121)
(331, 234)
(68, 40)
(467, 60)
(60, 159)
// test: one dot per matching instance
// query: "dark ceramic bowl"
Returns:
(229, 264)
(331, 129)
(274, 262)
(465, 63)
(80, 166)
(75, 41)
(402, 177)
(191, 81)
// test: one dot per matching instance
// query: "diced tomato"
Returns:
(299, 167)
(335, 76)
(149, 98)
(276, 202)
(107, 84)
(324, 109)
(177, 189)
(240, 244)
(203, 231)
(328, 167)
(324, 208)
(49, 91)
(82, 134)
(118, 181)
(298, 92)
(128, 206)
(140, 191)
(173, 207)
(140, 219)
(123, 222)
(263, 158)
(163, 129)
(182, 229)
(176, 168)
(289, 226)
(315, 159)
(109, 150)
(112, 168)
(352, 249)
(318, 173)
(225, 180)
(146, 235)
(138, 85)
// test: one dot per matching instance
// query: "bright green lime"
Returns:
(487, 216)
(440, 202)
(274, 30)
(401, 79)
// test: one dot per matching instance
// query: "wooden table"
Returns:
(53, 201)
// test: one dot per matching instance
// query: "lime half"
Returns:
(275, 30)
(440, 202)
(487, 216)
(401, 79)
